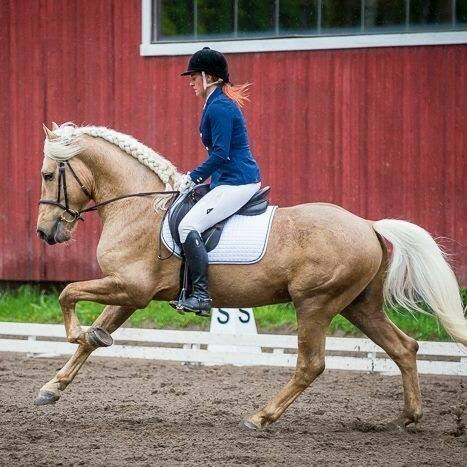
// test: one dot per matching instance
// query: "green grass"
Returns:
(30, 304)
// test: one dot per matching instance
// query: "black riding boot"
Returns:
(197, 262)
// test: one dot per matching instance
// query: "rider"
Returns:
(235, 176)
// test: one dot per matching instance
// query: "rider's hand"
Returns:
(186, 184)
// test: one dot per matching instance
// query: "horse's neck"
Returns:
(116, 173)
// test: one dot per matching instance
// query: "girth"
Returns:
(257, 205)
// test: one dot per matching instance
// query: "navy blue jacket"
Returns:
(223, 132)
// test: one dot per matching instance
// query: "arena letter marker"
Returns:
(233, 321)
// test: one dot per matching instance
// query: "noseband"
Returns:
(76, 215)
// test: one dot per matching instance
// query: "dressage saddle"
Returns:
(257, 205)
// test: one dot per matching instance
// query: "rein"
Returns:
(76, 215)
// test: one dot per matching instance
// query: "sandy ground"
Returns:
(135, 412)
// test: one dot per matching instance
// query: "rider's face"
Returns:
(196, 82)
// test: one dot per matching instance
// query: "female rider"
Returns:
(235, 176)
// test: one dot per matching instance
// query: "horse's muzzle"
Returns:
(57, 234)
(47, 238)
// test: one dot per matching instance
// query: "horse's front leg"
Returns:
(110, 319)
(109, 291)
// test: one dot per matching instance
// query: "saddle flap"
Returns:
(211, 236)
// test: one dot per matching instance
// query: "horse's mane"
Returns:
(68, 145)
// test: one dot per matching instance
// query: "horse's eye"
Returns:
(48, 176)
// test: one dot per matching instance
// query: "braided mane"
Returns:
(67, 145)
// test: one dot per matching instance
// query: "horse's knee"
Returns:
(305, 374)
(67, 297)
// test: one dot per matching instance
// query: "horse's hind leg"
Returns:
(313, 320)
(110, 319)
(366, 312)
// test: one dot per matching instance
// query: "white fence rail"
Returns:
(191, 346)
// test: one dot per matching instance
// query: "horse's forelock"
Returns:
(63, 145)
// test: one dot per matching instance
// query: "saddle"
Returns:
(257, 205)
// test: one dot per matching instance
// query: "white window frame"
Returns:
(147, 48)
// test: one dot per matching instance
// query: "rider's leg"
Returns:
(197, 263)
(220, 203)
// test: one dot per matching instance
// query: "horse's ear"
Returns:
(48, 133)
(54, 126)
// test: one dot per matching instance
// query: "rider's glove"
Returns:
(186, 184)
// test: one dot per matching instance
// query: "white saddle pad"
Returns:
(243, 240)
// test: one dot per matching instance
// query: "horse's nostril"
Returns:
(41, 234)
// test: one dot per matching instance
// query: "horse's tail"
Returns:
(419, 273)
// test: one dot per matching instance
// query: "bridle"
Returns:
(76, 215)
(62, 186)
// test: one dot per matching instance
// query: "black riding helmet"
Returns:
(211, 62)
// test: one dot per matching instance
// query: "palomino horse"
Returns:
(321, 257)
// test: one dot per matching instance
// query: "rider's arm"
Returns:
(221, 122)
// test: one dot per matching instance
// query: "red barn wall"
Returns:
(380, 131)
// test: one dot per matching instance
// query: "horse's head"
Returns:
(64, 191)
(67, 185)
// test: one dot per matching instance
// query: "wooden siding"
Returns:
(379, 131)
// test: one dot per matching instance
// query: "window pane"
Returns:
(430, 14)
(298, 17)
(176, 19)
(384, 16)
(341, 16)
(256, 18)
(461, 12)
(215, 19)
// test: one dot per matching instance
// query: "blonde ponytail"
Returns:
(238, 93)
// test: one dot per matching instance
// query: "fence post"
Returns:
(31, 339)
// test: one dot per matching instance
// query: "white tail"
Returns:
(418, 272)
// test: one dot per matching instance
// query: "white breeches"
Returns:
(218, 204)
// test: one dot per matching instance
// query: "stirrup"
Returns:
(202, 307)
(204, 313)
(177, 303)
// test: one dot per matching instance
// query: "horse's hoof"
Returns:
(46, 397)
(412, 427)
(251, 425)
(394, 425)
(99, 337)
